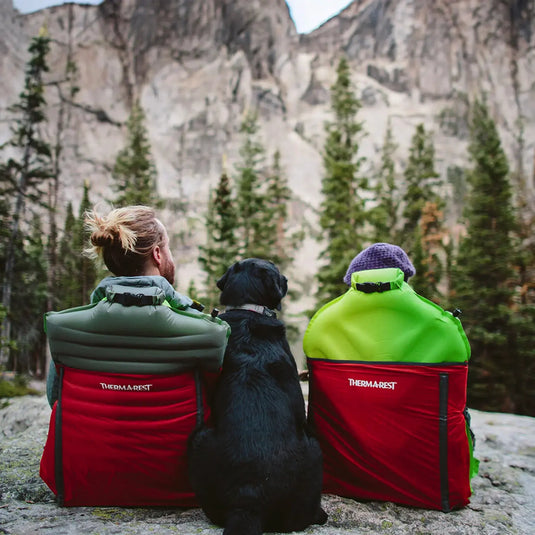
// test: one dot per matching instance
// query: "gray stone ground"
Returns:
(503, 501)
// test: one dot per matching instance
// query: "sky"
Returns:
(307, 14)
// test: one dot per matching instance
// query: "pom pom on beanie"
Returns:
(378, 256)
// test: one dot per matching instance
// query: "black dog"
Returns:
(258, 469)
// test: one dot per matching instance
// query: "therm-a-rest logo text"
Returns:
(384, 385)
(127, 388)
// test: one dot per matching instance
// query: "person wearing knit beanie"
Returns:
(378, 256)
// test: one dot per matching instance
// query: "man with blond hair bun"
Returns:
(134, 245)
(131, 374)
(132, 242)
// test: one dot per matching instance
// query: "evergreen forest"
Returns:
(487, 270)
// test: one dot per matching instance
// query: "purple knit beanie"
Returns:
(380, 255)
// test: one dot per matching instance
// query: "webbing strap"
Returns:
(58, 449)
(443, 441)
(130, 299)
(373, 287)
(200, 406)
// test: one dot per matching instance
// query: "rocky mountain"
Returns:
(502, 502)
(197, 66)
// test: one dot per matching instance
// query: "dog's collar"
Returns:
(259, 309)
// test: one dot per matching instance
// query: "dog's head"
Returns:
(254, 281)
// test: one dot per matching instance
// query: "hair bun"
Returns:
(102, 238)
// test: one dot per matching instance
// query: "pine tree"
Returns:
(423, 216)
(484, 268)
(68, 289)
(427, 251)
(250, 201)
(29, 302)
(26, 344)
(67, 89)
(342, 216)
(134, 172)
(384, 216)
(456, 177)
(278, 195)
(78, 273)
(261, 200)
(86, 266)
(23, 180)
(221, 249)
(523, 313)
(421, 182)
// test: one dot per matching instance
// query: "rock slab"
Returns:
(503, 501)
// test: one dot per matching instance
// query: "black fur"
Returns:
(257, 469)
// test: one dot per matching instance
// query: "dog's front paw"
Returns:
(242, 522)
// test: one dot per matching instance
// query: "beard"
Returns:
(167, 270)
(167, 267)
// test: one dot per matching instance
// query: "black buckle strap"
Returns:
(135, 296)
(373, 287)
(138, 300)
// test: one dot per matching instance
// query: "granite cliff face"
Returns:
(197, 66)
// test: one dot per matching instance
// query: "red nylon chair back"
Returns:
(392, 432)
(121, 439)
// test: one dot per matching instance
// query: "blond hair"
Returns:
(125, 238)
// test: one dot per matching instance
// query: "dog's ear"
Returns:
(284, 285)
(282, 288)
(221, 282)
(278, 284)
(234, 268)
